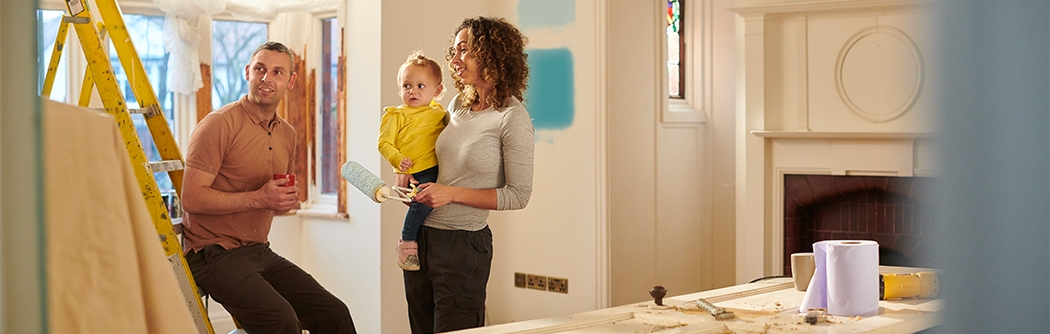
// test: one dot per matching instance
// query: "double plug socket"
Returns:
(540, 282)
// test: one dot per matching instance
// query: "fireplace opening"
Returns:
(893, 211)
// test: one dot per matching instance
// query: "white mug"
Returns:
(802, 267)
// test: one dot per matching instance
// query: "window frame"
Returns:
(318, 200)
(695, 58)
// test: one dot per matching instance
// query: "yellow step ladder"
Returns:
(102, 76)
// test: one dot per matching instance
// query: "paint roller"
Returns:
(372, 186)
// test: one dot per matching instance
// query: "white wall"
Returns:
(722, 123)
(671, 218)
(633, 95)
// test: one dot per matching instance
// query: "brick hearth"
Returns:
(889, 210)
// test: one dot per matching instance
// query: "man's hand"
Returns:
(199, 197)
(276, 196)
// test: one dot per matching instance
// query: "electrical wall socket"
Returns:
(519, 280)
(558, 284)
(536, 282)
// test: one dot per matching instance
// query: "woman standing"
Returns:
(486, 158)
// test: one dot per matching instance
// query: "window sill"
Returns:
(679, 111)
(321, 211)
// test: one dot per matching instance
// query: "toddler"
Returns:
(406, 139)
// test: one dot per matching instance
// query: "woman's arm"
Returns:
(518, 143)
(437, 195)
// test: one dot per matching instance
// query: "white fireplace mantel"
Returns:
(843, 135)
(834, 87)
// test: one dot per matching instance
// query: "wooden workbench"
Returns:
(768, 306)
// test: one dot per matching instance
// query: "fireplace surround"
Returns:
(834, 88)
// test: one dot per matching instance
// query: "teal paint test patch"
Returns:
(550, 97)
(546, 13)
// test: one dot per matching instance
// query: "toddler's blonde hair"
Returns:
(417, 58)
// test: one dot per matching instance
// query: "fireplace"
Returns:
(892, 211)
(834, 93)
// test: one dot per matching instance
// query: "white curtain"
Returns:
(182, 39)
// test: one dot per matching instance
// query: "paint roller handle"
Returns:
(403, 180)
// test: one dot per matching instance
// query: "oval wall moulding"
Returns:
(879, 73)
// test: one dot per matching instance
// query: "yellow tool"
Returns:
(911, 285)
(80, 15)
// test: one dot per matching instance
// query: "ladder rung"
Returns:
(145, 112)
(166, 165)
(75, 19)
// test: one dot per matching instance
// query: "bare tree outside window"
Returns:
(232, 43)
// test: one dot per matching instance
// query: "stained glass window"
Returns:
(675, 50)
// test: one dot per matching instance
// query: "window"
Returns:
(675, 50)
(232, 44)
(48, 22)
(147, 34)
(687, 53)
(329, 163)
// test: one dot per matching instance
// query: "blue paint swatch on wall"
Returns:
(545, 13)
(550, 97)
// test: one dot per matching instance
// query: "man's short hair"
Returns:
(279, 47)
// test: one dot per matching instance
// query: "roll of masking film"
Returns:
(846, 279)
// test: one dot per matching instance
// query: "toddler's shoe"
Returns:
(408, 255)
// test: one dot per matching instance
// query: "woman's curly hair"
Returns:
(499, 48)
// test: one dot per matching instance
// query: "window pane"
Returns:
(147, 35)
(674, 48)
(330, 179)
(232, 44)
(48, 22)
